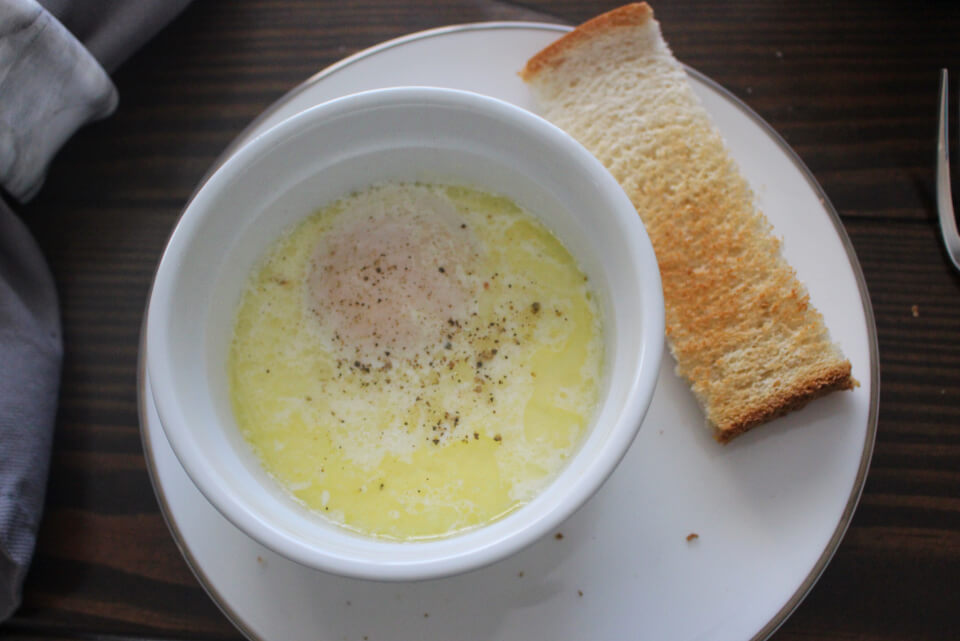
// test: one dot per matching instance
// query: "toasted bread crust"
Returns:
(630, 15)
(835, 379)
(739, 323)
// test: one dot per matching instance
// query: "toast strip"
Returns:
(738, 321)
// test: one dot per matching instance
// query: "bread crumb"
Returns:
(693, 536)
(915, 310)
(558, 536)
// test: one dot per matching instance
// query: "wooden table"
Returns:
(850, 85)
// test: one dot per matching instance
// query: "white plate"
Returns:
(769, 509)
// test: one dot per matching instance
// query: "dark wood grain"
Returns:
(851, 86)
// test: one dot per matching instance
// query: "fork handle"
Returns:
(948, 221)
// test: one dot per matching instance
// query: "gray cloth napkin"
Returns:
(53, 80)
(30, 352)
(49, 86)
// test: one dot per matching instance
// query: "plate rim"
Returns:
(853, 500)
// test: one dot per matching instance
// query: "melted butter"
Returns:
(436, 395)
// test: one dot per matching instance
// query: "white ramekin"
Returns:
(288, 172)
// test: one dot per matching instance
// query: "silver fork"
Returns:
(948, 222)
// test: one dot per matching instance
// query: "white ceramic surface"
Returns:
(285, 174)
(769, 509)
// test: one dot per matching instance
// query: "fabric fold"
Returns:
(50, 86)
(30, 353)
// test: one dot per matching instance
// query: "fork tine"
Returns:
(948, 221)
